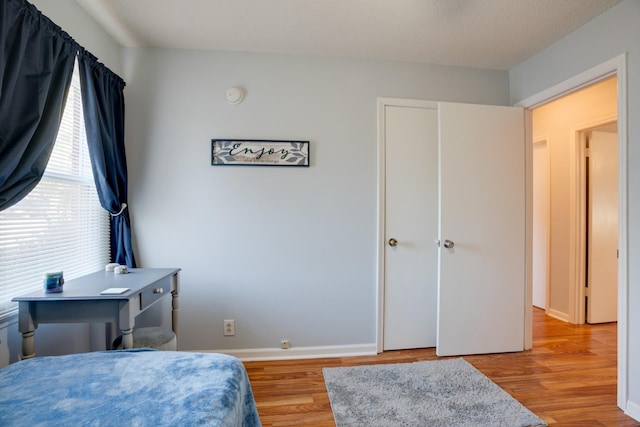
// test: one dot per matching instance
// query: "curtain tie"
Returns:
(123, 207)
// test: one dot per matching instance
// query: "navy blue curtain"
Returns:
(36, 64)
(103, 103)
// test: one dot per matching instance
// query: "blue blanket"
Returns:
(138, 387)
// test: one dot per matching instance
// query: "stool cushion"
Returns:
(154, 337)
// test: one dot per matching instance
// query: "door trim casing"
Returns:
(616, 66)
(384, 102)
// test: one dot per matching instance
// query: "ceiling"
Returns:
(493, 34)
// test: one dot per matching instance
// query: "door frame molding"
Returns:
(616, 66)
(384, 102)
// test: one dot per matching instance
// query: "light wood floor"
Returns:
(567, 379)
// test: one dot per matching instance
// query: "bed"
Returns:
(137, 387)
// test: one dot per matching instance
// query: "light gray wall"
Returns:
(286, 252)
(613, 33)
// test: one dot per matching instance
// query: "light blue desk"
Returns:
(81, 302)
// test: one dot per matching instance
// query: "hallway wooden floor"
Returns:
(567, 379)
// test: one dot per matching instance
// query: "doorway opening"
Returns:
(575, 220)
(563, 303)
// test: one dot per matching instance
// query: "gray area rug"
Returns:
(437, 393)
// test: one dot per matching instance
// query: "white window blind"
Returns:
(60, 225)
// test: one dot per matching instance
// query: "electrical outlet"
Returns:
(285, 344)
(229, 327)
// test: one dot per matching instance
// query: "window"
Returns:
(60, 225)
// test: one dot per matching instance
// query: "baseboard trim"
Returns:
(633, 410)
(557, 315)
(259, 354)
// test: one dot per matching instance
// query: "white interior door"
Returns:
(482, 211)
(602, 274)
(411, 181)
(540, 223)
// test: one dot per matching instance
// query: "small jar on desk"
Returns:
(53, 282)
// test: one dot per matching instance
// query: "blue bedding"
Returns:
(138, 387)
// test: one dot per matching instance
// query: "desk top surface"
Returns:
(89, 287)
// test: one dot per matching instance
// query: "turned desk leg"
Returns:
(127, 338)
(174, 312)
(27, 326)
(28, 345)
(174, 304)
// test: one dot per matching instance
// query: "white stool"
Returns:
(154, 337)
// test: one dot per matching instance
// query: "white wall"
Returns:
(611, 34)
(69, 338)
(286, 252)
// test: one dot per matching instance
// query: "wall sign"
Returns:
(255, 152)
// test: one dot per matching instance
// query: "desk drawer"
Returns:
(154, 293)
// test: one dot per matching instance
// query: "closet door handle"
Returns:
(393, 242)
(449, 244)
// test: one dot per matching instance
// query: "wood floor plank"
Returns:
(568, 379)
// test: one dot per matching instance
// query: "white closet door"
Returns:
(602, 299)
(411, 213)
(482, 212)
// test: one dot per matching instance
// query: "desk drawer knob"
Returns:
(158, 291)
